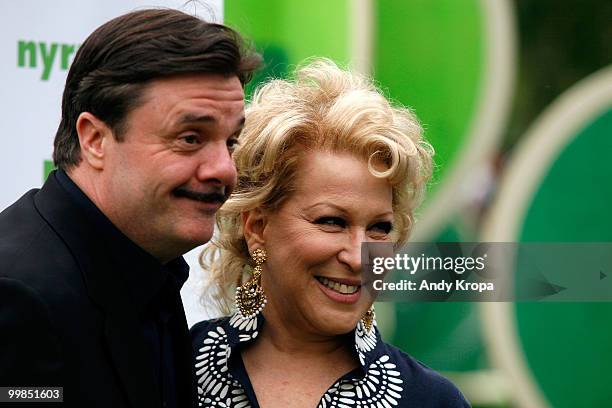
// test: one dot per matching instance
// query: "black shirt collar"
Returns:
(146, 275)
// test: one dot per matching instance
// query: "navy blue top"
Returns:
(154, 289)
(386, 376)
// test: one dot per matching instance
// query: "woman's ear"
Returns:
(254, 224)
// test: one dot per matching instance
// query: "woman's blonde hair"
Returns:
(324, 108)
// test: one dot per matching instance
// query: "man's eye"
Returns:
(384, 227)
(232, 144)
(190, 139)
(331, 221)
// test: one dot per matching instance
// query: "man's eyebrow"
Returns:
(191, 118)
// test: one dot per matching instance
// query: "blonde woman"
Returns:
(325, 163)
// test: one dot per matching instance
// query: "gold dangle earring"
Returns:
(368, 319)
(250, 297)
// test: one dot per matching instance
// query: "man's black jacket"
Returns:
(66, 318)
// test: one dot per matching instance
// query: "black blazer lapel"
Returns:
(186, 381)
(122, 330)
(133, 366)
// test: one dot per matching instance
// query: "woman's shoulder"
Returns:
(422, 383)
(202, 329)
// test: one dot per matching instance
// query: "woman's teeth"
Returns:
(338, 287)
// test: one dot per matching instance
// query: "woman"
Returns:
(324, 164)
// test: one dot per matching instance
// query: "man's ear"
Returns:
(94, 136)
(253, 224)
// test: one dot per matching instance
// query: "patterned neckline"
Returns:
(242, 330)
(378, 384)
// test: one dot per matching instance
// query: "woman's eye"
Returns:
(331, 221)
(384, 227)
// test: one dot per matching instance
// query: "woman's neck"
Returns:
(290, 334)
(287, 339)
(289, 358)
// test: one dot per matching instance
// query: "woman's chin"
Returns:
(334, 322)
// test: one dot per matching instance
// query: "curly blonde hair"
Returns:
(324, 108)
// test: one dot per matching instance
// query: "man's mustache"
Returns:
(218, 196)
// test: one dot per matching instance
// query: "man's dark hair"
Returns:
(113, 66)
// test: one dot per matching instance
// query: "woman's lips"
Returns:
(340, 290)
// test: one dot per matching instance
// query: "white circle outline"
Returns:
(542, 144)
(488, 120)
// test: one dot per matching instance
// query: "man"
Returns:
(90, 265)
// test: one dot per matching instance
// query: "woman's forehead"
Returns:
(340, 178)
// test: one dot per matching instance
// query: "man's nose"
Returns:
(217, 166)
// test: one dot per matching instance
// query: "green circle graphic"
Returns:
(568, 345)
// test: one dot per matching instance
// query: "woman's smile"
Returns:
(338, 290)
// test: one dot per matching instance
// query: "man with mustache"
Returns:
(91, 265)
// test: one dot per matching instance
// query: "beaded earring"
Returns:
(250, 297)
(368, 318)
